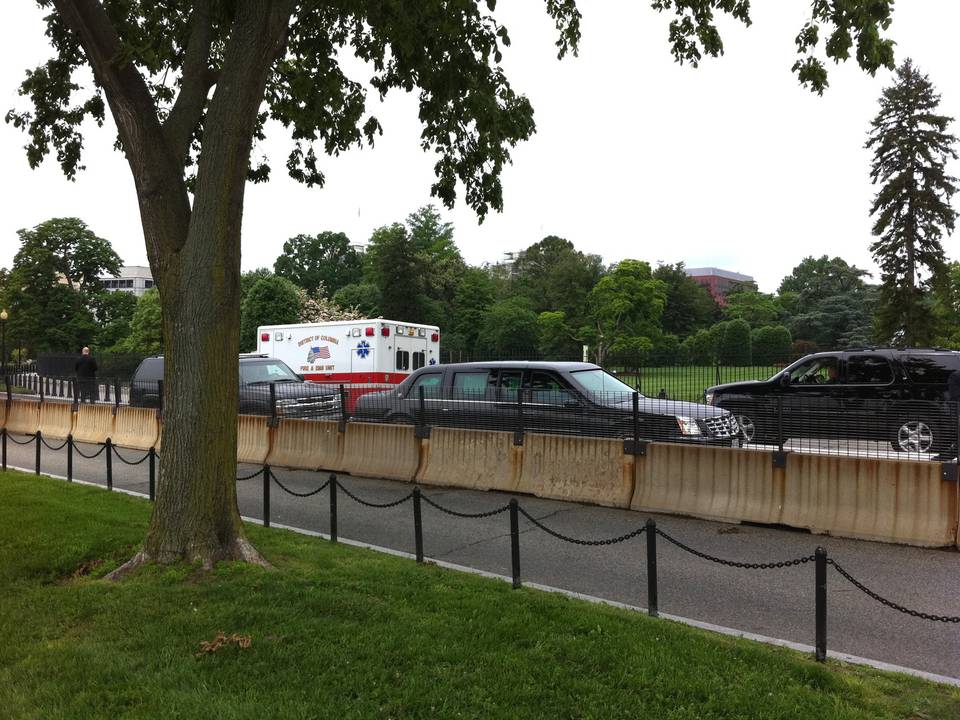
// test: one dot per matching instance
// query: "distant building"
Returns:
(135, 279)
(721, 283)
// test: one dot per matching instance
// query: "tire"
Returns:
(753, 428)
(915, 436)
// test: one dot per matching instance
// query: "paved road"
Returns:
(777, 603)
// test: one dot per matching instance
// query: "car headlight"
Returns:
(688, 426)
(708, 397)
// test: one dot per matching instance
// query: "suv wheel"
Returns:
(914, 436)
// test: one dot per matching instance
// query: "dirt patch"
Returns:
(221, 640)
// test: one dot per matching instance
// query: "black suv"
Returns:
(294, 396)
(558, 397)
(880, 394)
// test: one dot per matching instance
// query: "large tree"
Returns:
(690, 306)
(911, 146)
(191, 84)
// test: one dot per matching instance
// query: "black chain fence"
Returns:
(649, 530)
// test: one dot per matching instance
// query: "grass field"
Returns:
(338, 632)
(689, 382)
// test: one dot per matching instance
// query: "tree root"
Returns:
(242, 550)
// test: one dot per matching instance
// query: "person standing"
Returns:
(86, 369)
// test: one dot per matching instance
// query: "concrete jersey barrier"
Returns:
(382, 451)
(253, 439)
(136, 428)
(476, 459)
(23, 417)
(93, 423)
(716, 483)
(56, 419)
(580, 469)
(902, 501)
(306, 445)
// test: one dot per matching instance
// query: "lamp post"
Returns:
(3, 343)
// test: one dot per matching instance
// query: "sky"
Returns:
(731, 165)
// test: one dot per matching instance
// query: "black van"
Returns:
(294, 396)
(881, 394)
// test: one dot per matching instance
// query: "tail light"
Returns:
(368, 332)
(385, 331)
(264, 337)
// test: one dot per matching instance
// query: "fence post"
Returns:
(780, 423)
(821, 580)
(116, 392)
(636, 422)
(152, 463)
(106, 391)
(70, 458)
(3, 435)
(417, 525)
(109, 452)
(333, 508)
(651, 539)
(421, 407)
(273, 403)
(74, 396)
(717, 372)
(343, 410)
(40, 385)
(38, 437)
(518, 432)
(266, 496)
(515, 542)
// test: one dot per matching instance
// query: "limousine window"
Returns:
(600, 381)
(868, 370)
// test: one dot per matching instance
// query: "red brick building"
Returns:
(721, 283)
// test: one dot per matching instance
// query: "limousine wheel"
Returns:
(914, 436)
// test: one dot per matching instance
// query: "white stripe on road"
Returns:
(732, 632)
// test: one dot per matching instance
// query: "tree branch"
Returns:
(196, 79)
(161, 190)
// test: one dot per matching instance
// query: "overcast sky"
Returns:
(730, 165)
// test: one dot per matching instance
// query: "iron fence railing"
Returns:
(815, 420)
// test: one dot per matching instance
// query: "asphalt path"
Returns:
(777, 603)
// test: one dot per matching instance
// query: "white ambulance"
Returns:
(360, 354)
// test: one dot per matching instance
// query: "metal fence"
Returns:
(821, 424)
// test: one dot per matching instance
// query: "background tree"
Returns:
(912, 209)
(624, 310)
(271, 301)
(113, 312)
(325, 259)
(249, 279)
(317, 308)
(690, 306)
(554, 276)
(146, 326)
(945, 306)
(440, 261)
(699, 349)
(555, 339)
(364, 297)
(755, 308)
(771, 345)
(472, 300)
(509, 330)
(395, 266)
(53, 287)
(189, 89)
(734, 347)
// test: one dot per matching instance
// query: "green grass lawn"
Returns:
(338, 632)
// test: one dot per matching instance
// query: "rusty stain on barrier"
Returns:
(306, 445)
(475, 459)
(93, 423)
(383, 451)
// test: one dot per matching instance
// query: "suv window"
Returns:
(266, 372)
(472, 382)
(817, 371)
(430, 382)
(868, 370)
(546, 389)
(510, 383)
(933, 369)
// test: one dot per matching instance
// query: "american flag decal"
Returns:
(318, 353)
